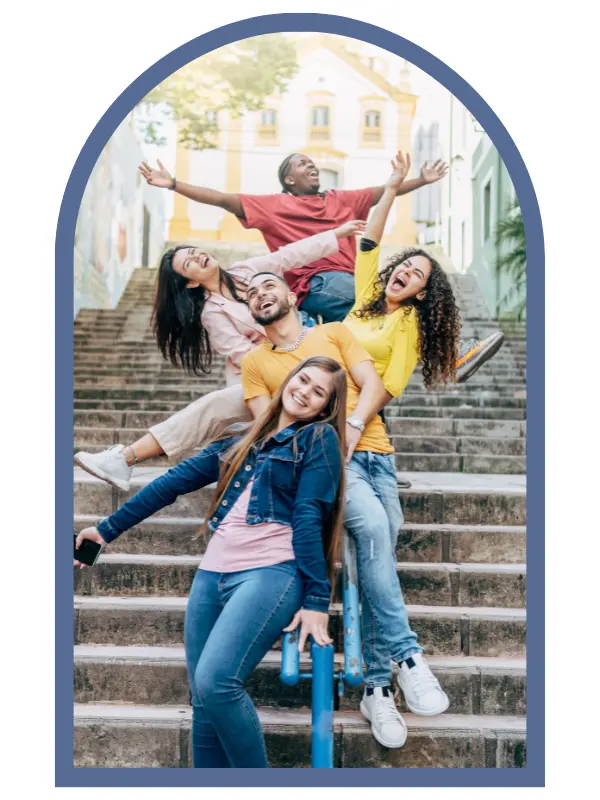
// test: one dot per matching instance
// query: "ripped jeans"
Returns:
(373, 517)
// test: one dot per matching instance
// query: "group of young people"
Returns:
(313, 455)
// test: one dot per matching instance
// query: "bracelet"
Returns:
(173, 185)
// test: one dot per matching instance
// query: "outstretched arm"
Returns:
(429, 174)
(377, 220)
(211, 197)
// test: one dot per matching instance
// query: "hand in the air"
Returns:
(433, 173)
(401, 168)
(156, 177)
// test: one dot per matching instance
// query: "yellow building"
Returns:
(347, 108)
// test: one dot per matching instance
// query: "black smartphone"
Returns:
(88, 552)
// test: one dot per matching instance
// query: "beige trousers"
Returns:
(201, 421)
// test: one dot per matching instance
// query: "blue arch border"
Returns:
(65, 773)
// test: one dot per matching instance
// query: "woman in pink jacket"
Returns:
(200, 308)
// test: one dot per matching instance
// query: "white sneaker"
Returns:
(109, 465)
(421, 689)
(387, 725)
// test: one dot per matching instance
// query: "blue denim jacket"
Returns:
(296, 477)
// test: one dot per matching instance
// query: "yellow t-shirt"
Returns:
(392, 339)
(264, 369)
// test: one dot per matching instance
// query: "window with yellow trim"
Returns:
(320, 130)
(268, 130)
(371, 127)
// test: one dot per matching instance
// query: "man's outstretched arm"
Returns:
(429, 174)
(211, 197)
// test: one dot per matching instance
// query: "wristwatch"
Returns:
(173, 184)
(357, 423)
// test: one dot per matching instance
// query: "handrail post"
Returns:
(290, 658)
(353, 674)
(322, 706)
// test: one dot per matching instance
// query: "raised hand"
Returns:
(156, 177)
(312, 623)
(87, 533)
(433, 173)
(352, 228)
(401, 168)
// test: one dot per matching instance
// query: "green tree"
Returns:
(512, 261)
(238, 78)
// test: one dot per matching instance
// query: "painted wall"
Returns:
(488, 170)
(120, 225)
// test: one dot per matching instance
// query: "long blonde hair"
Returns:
(333, 413)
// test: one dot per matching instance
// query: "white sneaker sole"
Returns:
(390, 745)
(99, 473)
(428, 712)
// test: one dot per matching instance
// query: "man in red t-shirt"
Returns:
(324, 288)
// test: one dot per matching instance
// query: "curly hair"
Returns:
(437, 314)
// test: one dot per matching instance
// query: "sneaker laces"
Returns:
(466, 346)
(385, 710)
(422, 679)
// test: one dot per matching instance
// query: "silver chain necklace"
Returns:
(290, 347)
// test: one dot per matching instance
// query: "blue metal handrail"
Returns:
(323, 675)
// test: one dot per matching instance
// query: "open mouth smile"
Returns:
(298, 400)
(266, 304)
(399, 283)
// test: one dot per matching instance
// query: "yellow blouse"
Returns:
(392, 339)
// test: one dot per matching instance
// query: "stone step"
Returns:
(115, 427)
(433, 498)
(157, 676)
(145, 575)
(159, 736)
(455, 544)
(442, 630)
(450, 444)
(120, 414)
(415, 462)
(413, 398)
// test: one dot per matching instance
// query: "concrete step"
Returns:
(157, 676)
(433, 498)
(414, 462)
(442, 630)
(455, 544)
(455, 412)
(159, 736)
(481, 585)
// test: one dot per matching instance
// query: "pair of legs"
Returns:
(331, 297)
(373, 517)
(232, 620)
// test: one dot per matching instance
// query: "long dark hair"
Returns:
(176, 314)
(333, 413)
(438, 318)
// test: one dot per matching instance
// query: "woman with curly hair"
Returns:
(407, 313)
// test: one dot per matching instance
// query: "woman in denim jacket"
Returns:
(275, 520)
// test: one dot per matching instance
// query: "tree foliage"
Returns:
(238, 78)
(512, 261)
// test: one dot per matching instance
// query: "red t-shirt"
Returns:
(285, 218)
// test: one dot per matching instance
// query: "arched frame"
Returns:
(66, 774)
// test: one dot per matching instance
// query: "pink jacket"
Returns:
(230, 326)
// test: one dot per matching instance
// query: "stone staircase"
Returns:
(460, 559)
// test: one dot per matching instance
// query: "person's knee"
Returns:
(213, 686)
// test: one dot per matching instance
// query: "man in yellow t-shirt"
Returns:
(375, 516)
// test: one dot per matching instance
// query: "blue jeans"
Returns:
(232, 621)
(373, 517)
(331, 295)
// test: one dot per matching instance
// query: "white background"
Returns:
(65, 62)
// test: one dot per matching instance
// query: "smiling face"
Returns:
(409, 279)
(307, 393)
(269, 298)
(303, 175)
(196, 265)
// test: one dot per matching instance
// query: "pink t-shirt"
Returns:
(236, 546)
